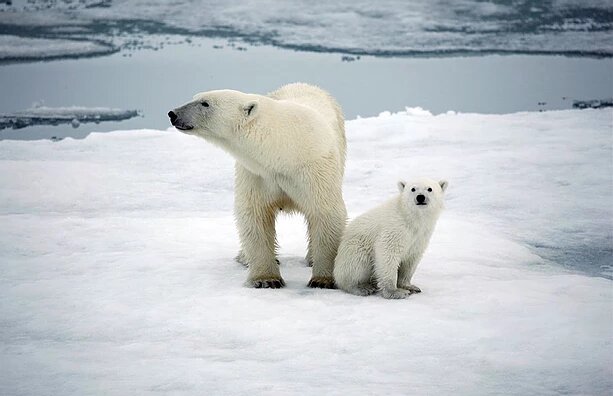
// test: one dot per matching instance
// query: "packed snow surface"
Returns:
(387, 27)
(44, 115)
(117, 274)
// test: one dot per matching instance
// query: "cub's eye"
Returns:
(413, 189)
(429, 189)
(205, 104)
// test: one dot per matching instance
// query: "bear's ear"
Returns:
(443, 184)
(250, 109)
(401, 185)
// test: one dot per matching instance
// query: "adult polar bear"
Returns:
(289, 148)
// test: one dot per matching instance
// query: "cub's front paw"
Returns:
(363, 290)
(412, 288)
(322, 282)
(266, 283)
(395, 294)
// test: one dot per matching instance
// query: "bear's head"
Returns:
(423, 195)
(215, 114)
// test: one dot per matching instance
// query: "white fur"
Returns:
(289, 148)
(381, 248)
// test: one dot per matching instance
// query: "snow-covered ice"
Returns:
(386, 27)
(117, 274)
(25, 48)
(43, 115)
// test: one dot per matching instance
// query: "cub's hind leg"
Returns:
(353, 270)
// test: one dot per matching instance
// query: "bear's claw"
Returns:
(322, 282)
(268, 283)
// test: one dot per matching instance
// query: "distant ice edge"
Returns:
(63, 115)
(424, 28)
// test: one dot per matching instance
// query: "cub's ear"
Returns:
(250, 109)
(443, 184)
(401, 185)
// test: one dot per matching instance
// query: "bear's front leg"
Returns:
(325, 232)
(387, 263)
(241, 259)
(257, 235)
(405, 274)
(255, 219)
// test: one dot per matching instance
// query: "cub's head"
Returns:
(423, 195)
(215, 114)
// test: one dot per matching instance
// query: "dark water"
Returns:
(593, 259)
(154, 81)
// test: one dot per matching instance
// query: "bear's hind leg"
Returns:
(309, 256)
(325, 231)
(353, 270)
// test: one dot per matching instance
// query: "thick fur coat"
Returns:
(290, 149)
(381, 249)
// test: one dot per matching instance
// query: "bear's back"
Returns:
(319, 101)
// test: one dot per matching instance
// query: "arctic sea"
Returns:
(464, 56)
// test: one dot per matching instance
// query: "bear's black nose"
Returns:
(420, 198)
(173, 117)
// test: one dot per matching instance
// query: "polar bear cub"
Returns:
(381, 248)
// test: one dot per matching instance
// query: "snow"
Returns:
(117, 274)
(24, 48)
(389, 27)
(43, 115)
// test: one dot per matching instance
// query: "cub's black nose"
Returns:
(420, 198)
(172, 116)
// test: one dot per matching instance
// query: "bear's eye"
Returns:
(429, 189)
(413, 189)
(205, 104)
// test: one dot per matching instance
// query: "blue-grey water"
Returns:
(154, 81)
(373, 56)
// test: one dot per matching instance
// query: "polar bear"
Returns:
(290, 149)
(381, 248)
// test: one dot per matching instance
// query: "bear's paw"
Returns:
(395, 294)
(266, 283)
(322, 282)
(363, 290)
